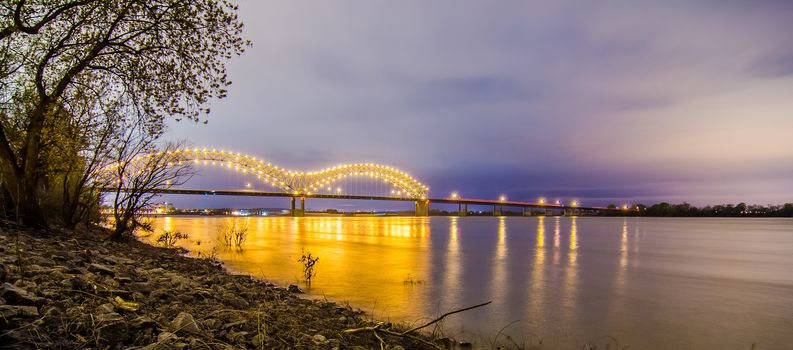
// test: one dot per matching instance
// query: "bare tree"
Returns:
(141, 167)
(160, 58)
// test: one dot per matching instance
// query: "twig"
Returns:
(444, 315)
(382, 342)
(381, 327)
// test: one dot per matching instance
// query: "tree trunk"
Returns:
(24, 200)
(29, 208)
(119, 229)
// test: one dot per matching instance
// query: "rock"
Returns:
(163, 294)
(105, 308)
(101, 269)
(185, 298)
(81, 282)
(259, 340)
(142, 322)
(184, 322)
(166, 336)
(334, 343)
(142, 287)
(123, 279)
(235, 301)
(9, 311)
(3, 273)
(236, 337)
(109, 260)
(18, 296)
(111, 329)
(294, 289)
(86, 255)
(33, 270)
(212, 324)
(465, 345)
(319, 339)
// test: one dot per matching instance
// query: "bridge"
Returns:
(298, 186)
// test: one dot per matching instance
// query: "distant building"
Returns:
(163, 208)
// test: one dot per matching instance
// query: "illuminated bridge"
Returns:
(297, 185)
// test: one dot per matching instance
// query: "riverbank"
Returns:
(73, 289)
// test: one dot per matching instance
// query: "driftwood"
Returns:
(384, 328)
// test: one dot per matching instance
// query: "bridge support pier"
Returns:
(423, 207)
(462, 210)
(498, 210)
(524, 212)
(298, 212)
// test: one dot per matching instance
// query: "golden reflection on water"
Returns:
(501, 248)
(537, 280)
(500, 279)
(623, 263)
(452, 278)
(571, 271)
(378, 255)
(557, 232)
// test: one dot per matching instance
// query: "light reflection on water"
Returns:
(650, 283)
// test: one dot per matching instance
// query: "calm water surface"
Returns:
(648, 283)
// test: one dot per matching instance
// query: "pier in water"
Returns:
(647, 283)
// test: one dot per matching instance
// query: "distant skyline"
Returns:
(610, 101)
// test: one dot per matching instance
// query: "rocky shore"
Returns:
(76, 290)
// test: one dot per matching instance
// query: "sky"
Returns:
(601, 101)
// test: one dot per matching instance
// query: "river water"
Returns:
(646, 283)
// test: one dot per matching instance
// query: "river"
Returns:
(646, 283)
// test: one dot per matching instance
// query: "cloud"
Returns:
(517, 90)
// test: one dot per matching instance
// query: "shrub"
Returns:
(308, 262)
(169, 238)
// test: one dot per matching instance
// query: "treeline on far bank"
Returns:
(684, 209)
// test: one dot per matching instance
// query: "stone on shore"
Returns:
(81, 291)
(14, 295)
(185, 323)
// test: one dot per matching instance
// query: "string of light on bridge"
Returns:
(297, 182)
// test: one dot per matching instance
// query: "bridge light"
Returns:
(625, 207)
(574, 204)
(541, 200)
(502, 198)
(558, 202)
(455, 195)
(248, 185)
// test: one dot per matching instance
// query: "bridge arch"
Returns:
(303, 183)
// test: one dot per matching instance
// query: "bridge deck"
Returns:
(254, 193)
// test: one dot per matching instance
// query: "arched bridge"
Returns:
(305, 183)
(302, 185)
